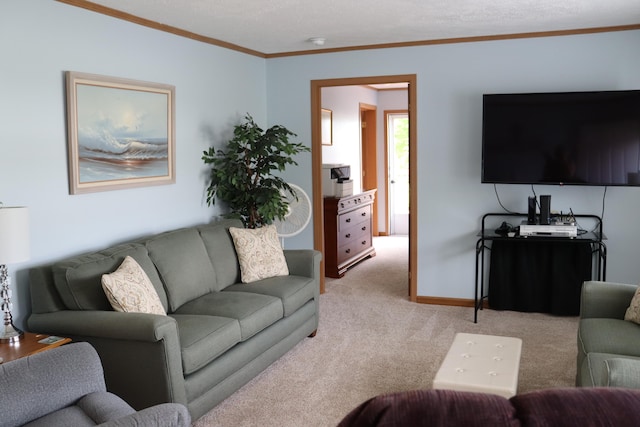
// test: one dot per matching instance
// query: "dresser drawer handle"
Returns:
(347, 235)
(364, 242)
(364, 228)
(348, 220)
(363, 214)
(347, 251)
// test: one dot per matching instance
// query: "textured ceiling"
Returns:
(279, 26)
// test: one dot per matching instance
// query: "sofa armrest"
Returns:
(104, 324)
(622, 372)
(303, 262)
(605, 299)
(163, 415)
(140, 353)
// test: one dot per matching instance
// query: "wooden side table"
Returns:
(28, 345)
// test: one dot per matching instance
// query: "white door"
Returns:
(398, 143)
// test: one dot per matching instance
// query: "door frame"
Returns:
(369, 158)
(316, 165)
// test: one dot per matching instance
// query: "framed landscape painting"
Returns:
(120, 133)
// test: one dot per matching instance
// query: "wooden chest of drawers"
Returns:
(348, 229)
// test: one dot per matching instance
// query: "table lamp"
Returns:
(14, 247)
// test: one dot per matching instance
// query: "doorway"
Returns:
(397, 170)
(316, 153)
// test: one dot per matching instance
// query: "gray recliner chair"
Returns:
(65, 386)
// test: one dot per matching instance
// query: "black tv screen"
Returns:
(577, 138)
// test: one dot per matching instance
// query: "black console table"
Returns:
(537, 273)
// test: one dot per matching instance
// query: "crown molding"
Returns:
(85, 4)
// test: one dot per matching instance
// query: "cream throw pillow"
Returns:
(130, 290)
(259, 253)
(633, 312)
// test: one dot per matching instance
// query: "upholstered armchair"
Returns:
(65, 386)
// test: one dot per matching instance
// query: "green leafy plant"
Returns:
(242, 173)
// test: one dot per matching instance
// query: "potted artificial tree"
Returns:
(242, 173)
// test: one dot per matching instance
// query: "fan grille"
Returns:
(298, 215)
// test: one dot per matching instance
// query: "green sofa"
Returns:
(608, 345)
(218, 334)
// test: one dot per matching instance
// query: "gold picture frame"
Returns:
(121, 133)
(326, 126)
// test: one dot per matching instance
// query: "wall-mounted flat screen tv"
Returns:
(577, 138)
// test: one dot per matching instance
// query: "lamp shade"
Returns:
(14, 234)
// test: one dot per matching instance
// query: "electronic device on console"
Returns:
(548, 230)
(544, 224)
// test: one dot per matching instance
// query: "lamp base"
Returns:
(8, 332)
(11, 334)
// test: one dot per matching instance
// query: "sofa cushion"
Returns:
(90, 410)
(129, 289)
(183, 264)
(294, 291)
(69, 416)
(254, 312)
(623, 372)
(259, 253)
(615, 336)
(593, 371)
(222, 252)
(78, 279)
(203, 338)
(596, 370)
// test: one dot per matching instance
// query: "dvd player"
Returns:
(552, 230)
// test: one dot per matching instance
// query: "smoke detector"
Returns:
(317, 41)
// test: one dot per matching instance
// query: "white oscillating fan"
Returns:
(298, 213)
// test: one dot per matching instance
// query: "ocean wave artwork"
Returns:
(105, 157)
(122, 134)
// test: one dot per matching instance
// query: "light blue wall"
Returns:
(39, 41)
(451, 79)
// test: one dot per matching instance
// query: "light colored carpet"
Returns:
(372, 340)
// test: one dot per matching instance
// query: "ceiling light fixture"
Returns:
(317, 41)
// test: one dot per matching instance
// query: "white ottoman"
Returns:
(481, 363)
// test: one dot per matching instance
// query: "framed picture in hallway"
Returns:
(120, 132)
(326, 126)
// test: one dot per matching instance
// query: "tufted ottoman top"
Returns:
(481, 363)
